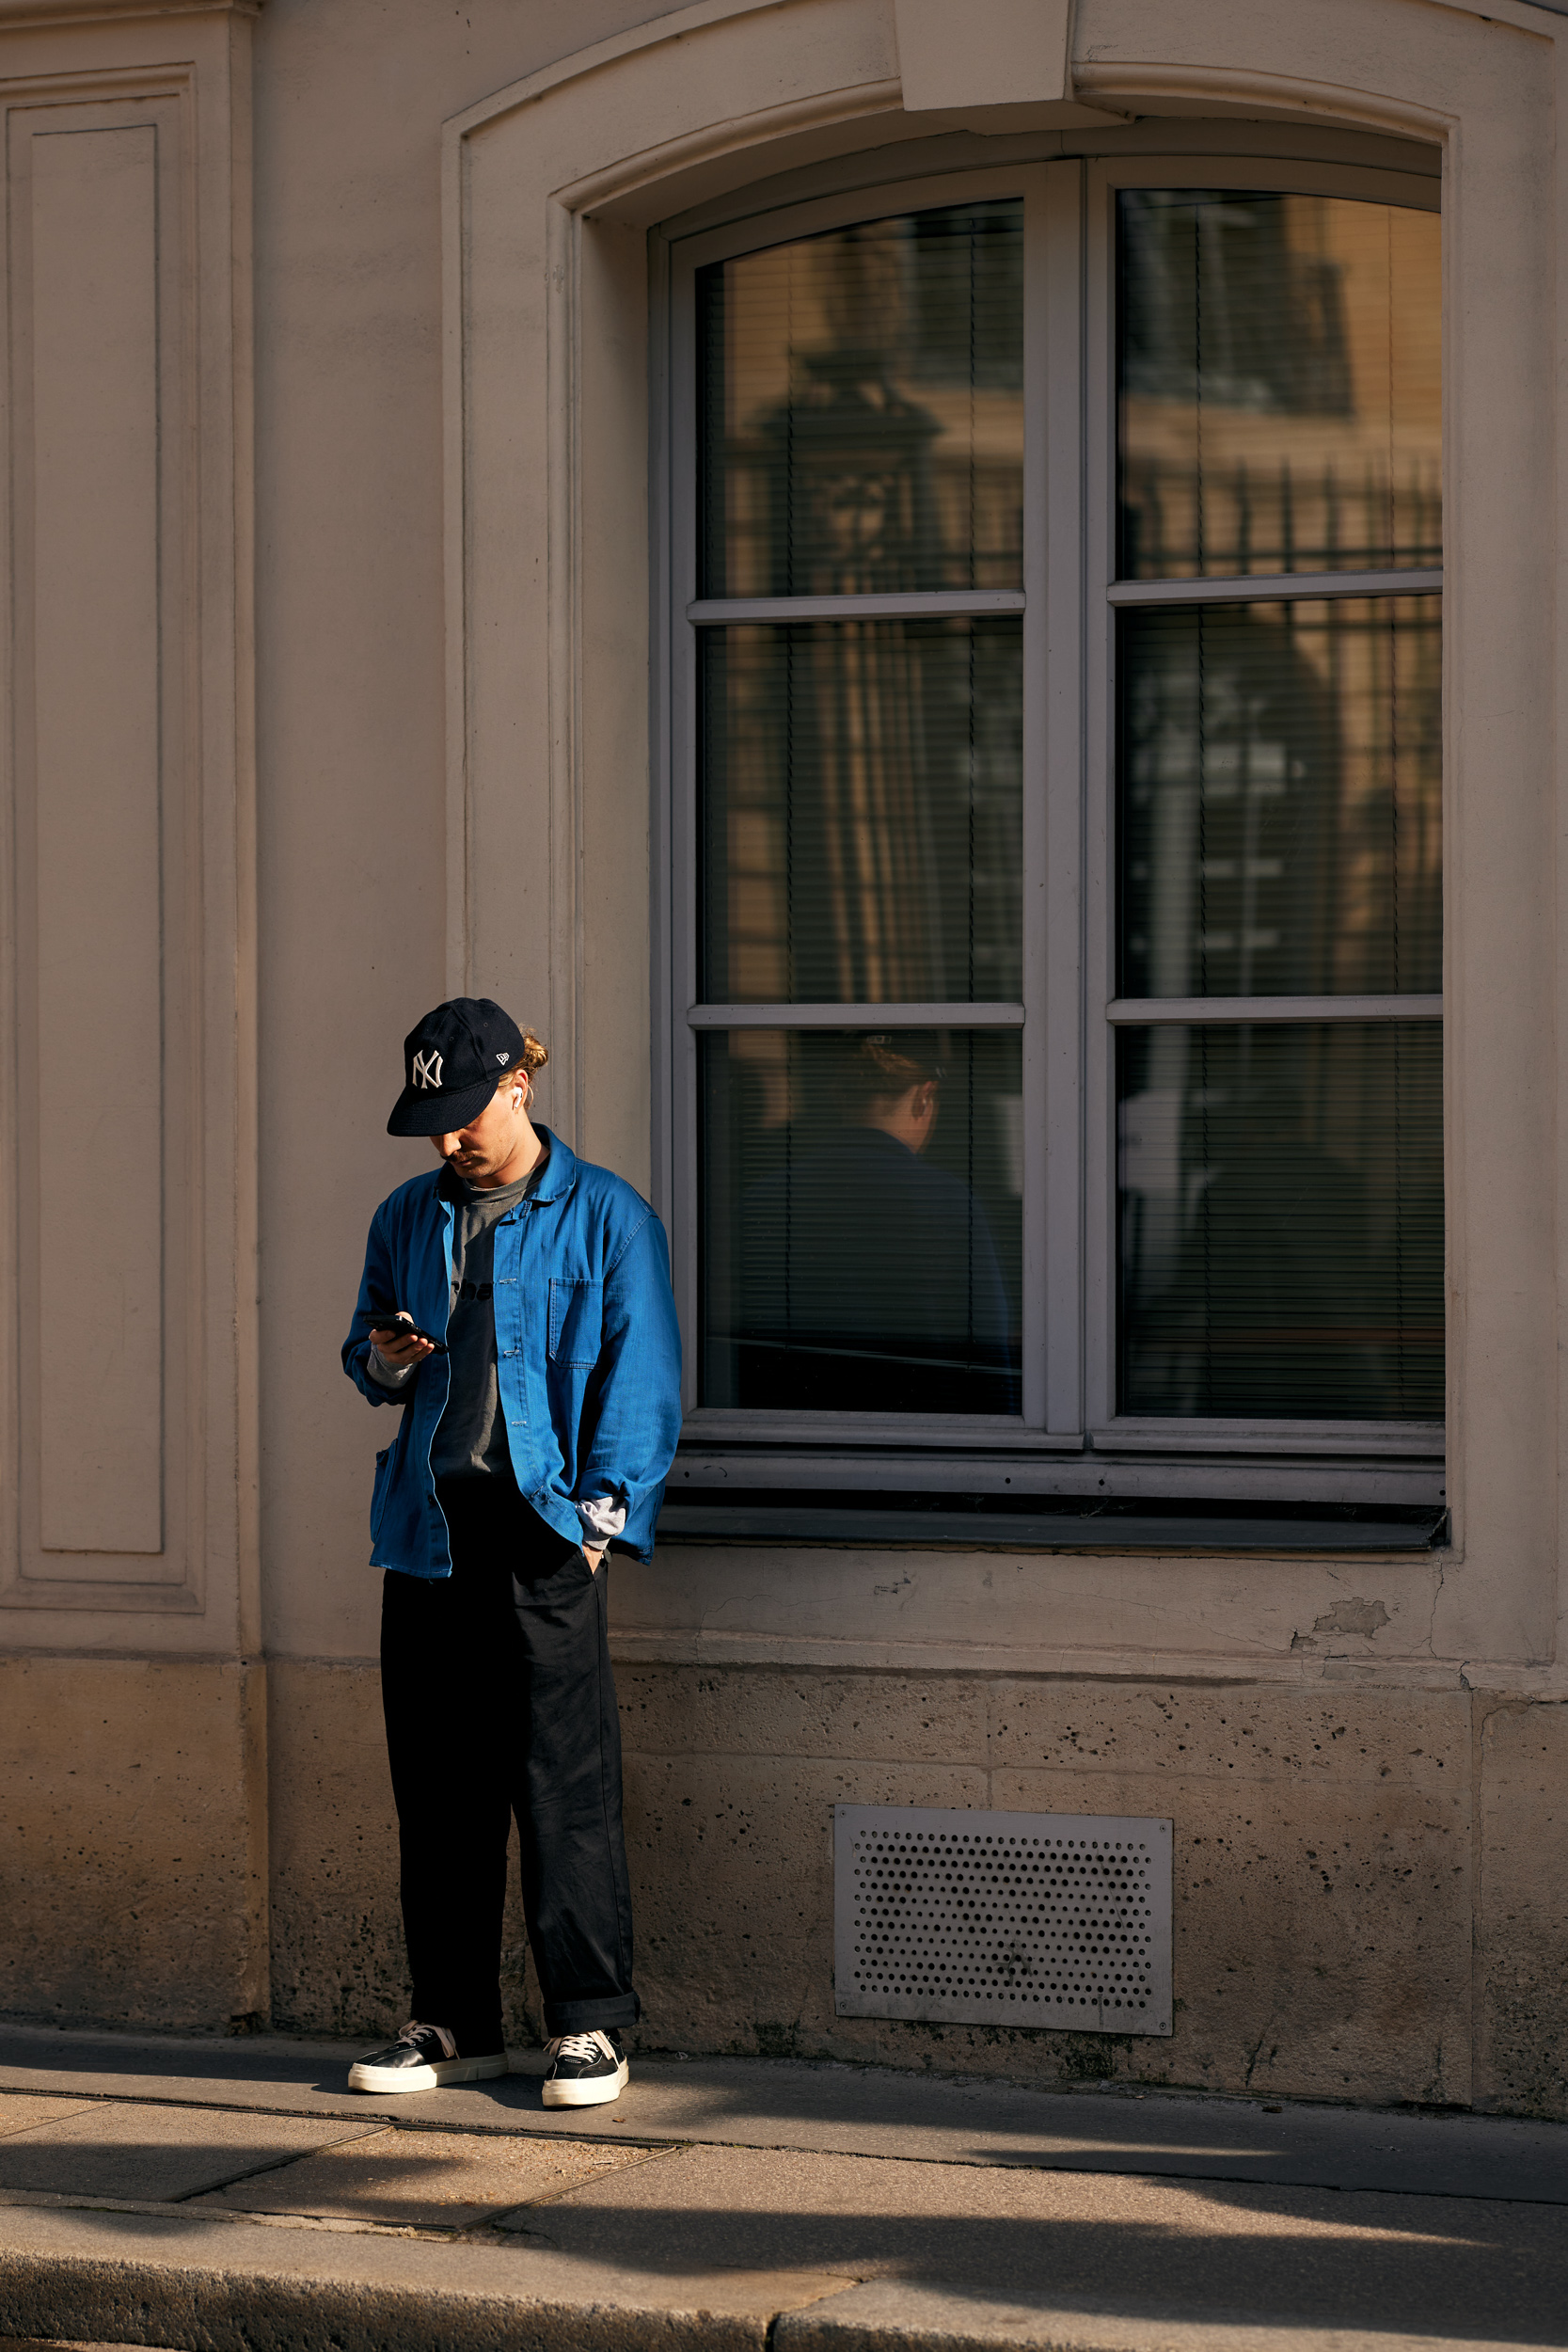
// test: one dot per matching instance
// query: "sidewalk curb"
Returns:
(181, 2307)
(188, 2309)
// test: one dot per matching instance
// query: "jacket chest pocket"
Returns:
(576, 1323)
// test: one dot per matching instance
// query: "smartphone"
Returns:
(385, 1319)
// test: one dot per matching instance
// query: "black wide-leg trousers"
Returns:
(498, 1698)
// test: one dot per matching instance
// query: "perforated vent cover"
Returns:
(1055, 1920)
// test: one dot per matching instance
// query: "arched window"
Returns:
(1055, 800)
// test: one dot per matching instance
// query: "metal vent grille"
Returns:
(1055, 1920)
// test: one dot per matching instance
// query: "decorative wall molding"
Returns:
(1129, 84)
(32, 15)
(127, 1269)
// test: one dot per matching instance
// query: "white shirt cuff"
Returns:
(601, 1520)
(388, 1376)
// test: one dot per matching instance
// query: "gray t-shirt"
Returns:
(470, 1436)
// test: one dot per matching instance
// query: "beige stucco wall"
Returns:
(445, 231)
(351, 824)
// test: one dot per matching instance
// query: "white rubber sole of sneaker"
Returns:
(591, 2091)
(390, 2081)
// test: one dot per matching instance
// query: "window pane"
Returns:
(1281, 1221)
(862, 409)
(1281, 799)
(1279, 381)
(861, 812)
(861, 1219)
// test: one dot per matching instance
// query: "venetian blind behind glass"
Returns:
(1280, 391)
(1281, 799)
(861, 1219)
(1281, 1206)
(862, 409)
(861, 812)
(1280, 1198)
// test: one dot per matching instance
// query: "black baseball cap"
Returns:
(451, 1062)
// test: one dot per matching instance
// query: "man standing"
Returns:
(516, 1305)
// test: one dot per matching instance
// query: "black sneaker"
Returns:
(586, 2070)
(421, 2059)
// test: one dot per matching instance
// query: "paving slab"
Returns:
(157, 2154)
(24, 2111)
(1176, 2251)
(847, 2110)
(429, 2180)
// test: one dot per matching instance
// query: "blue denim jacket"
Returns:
(588, 1353)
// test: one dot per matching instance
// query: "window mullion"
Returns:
(1275, 587)
(1172, 1011)
(1054, 803)
(683, 1213)
(1098, 1151)
(794, 1015)
(915, 604)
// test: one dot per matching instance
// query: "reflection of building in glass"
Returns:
(1281, 834)
(1279, 383)
(862, 418)
(1281, 799)
(861, 812)
(862, 781)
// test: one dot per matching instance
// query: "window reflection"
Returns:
(861, 1221)
(1281, 1208)
(1280, 403)
(1281, 799)
(861, 812)
(862, 409)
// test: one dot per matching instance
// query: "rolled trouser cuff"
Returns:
(621, 2009)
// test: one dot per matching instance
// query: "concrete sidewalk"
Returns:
(215, 2195)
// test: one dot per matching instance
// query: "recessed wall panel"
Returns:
(126, 1326)
(94, 252)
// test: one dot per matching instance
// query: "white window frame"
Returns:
(1068, 1436)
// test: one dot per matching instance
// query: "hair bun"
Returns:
(535, 1052)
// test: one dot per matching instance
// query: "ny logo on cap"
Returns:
(427, 1070)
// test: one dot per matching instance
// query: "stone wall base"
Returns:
(133, 1854)
(1370, 1885)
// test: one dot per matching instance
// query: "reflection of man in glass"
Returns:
(871, 1280)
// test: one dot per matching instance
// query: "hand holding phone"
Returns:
(393, 1324)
